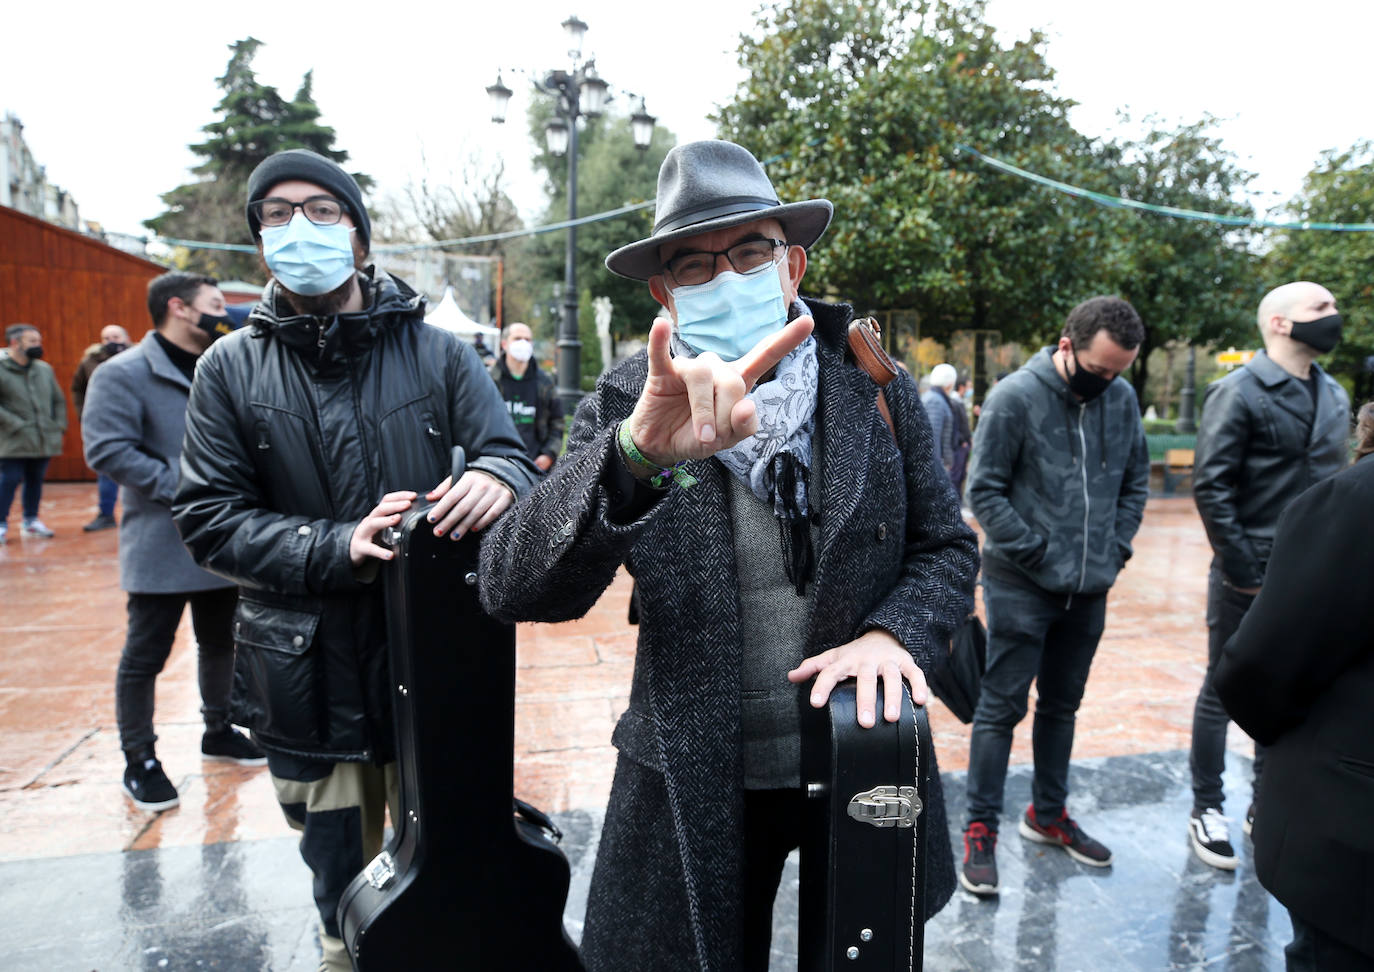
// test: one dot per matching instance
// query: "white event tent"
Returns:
(448, 315)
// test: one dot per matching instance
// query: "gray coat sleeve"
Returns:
(934, 592)
(113, 433)
(551, 557)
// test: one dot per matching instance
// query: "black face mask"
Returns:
(113, 348)
(35, 352)
(1084, 383)
(216, 325)
(1323, 334)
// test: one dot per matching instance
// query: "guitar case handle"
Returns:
(537, 817)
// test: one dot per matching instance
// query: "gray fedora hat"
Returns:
(712, 185)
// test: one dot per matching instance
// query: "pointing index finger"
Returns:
(660, 361)
(772, 349)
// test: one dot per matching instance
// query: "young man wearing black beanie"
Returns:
(335, 394)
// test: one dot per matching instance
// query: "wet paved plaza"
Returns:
(87, 882)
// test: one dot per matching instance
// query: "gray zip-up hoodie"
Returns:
(1058, 485)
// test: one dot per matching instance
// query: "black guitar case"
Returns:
(471, 878)
(863, 853)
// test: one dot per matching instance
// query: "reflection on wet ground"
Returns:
(86, 882)
(244, 906)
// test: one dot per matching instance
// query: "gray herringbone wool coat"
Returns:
(894, 554)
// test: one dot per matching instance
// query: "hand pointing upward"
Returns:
(692, 408)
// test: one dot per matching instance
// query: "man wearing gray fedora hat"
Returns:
(779, 534)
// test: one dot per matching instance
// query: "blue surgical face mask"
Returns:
(731, 312)
(308, 259)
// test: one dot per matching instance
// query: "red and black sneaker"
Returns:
(1063, 832)
(979, 873)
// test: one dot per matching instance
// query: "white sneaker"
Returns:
(1211, 839)
(34, 528)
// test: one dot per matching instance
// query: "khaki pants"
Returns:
(341, 818)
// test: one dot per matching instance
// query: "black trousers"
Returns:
(772, 830)
(153, 621)
(1313, 950)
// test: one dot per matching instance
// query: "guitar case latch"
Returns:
(381, 872)
(886, 806)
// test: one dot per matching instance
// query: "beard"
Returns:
(319, 305)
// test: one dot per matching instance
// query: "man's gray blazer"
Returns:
(132, 426)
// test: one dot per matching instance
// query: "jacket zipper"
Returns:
(372, 488)
(1083, 467)
(317, 439)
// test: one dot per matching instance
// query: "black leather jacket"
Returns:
(296, 427)
(1259, 446)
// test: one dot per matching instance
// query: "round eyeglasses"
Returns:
(274, 211)
(687, 269)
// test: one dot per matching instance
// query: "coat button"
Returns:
(882, 531)
(303, 530)
(298, 641)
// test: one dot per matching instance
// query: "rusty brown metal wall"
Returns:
(69, 286)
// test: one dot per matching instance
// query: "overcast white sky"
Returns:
(110, 97)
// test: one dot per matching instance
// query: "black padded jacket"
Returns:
(295, 429)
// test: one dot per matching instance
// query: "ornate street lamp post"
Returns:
(579, 93)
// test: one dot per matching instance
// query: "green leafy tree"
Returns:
(1340, 189)
(866, 103)
(611, 173)
(1192, 281)
(253, 122)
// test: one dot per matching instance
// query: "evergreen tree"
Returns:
(254, 121)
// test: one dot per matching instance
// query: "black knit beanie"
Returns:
(309, 166)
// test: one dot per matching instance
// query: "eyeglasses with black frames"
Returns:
(692, 267)
(320, 210)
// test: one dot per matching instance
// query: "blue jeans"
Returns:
(30, 473)
(108, 491)
(1226, 606)
(1050, 639)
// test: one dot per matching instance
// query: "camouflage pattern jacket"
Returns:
(1058, 485)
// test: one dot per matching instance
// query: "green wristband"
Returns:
(661, 475)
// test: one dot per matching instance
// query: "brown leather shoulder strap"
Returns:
(866, 344)
(886, 414)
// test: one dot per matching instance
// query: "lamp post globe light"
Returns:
(579, 93)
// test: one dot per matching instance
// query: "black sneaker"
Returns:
(228, 745)
(979, 873)
(1211, 839)
(1065, 833)
(146, 785)
(1249, 824)
(101, 522)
